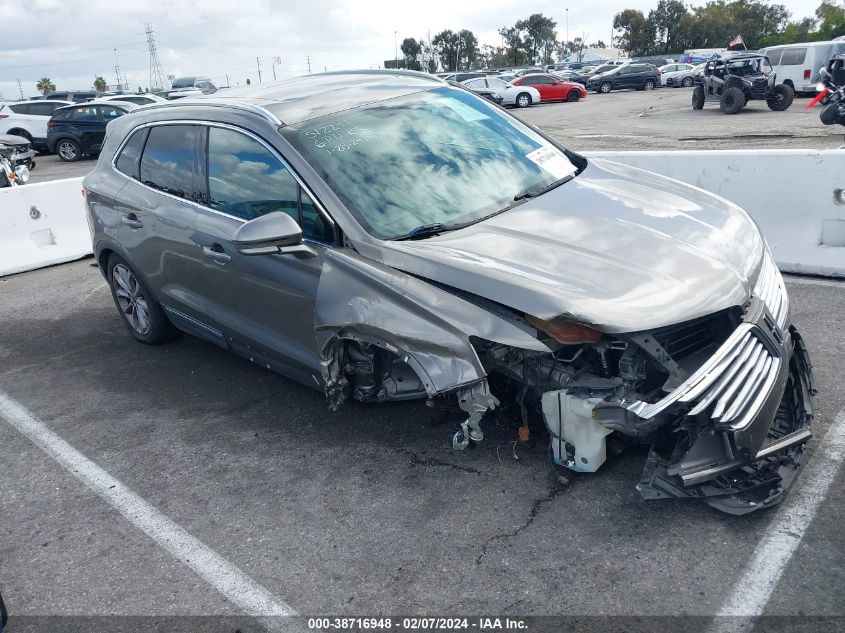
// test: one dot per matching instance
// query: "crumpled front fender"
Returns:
(427, 326)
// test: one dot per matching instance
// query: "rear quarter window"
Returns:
(19, 108)
(793, 56)
(127, 160)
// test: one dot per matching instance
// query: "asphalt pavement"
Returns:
(363, 511)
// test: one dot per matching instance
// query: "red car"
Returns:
(552, 88)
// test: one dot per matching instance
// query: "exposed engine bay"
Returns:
(724, 401)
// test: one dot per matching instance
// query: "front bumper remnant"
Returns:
(745, 463)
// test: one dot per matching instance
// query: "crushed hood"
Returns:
(617, 247)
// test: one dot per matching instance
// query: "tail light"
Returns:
(51, 124)
(807, 73)
(4, 116)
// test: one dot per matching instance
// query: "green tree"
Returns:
(100, 84)
(831, 16)
(539, 36)
(411, 51)
(513, 39)
(634, 34)
(456, 51)
(44, 85)
(665, 19)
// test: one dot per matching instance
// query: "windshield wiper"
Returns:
(426, 230)
(534, 192)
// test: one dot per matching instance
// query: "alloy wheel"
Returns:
(131, 299)
(67, 150)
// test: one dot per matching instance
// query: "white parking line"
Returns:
(749, 596)
(235, 585)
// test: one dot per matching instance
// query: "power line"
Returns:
(157, 77)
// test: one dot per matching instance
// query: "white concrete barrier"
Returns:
(795, 196)
(42, 224)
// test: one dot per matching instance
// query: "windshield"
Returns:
(442, 156)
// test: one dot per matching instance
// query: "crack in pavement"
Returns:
(536, 506)
(416, 460)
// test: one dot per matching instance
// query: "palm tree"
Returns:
(44, 85)
(100, 84)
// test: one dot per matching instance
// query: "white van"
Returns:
(797, 65)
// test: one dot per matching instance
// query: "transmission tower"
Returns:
(157, 78)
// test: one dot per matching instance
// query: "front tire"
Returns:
(698, 98)
(523, 100)
(648, 84)
(68, 150)
(573, 96)
(142, 315)
(687, 82)
(605, 87)
(782, 98)
(733, 100)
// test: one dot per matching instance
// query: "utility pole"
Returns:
(567, 25)
(157, 78)
(258, 61)
(117, 70)
(308, 59)
(20, 88)
(395, 52)
(227, 80)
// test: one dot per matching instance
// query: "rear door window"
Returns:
(793, 56)
(127, 161)
(84, 114)
(169, 160)
(43, 108)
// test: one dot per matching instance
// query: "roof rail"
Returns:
(220, 102)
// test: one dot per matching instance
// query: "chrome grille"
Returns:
(736, 382)
(770, 290)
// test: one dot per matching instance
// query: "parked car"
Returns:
(75, 96)
(520, 96)
(797, 65)
(671, 70)
(422, 243)
(551, 88)
(480, 88)
(202, 83)
(461, 77)
(17, 158)
(654, 60)
(139, 99)
(628, 76)
(732, 81)
(28, 119)
(683, 78)
(78, 130)
(584, 74)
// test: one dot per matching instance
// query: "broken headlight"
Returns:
(563, 331)
(771, 290)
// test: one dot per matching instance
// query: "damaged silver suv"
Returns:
(385, 236)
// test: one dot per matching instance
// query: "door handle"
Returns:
(131, 221)
(216, 253)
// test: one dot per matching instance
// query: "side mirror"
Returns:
(270, 234)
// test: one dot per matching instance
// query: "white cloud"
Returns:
(72, 41)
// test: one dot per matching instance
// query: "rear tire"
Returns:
(782, 98)
(142, 315)
(68, 150)
(523, 100)
(21, 133)
(687, 82)
(573, 96)
(698, 98)
(733, 100)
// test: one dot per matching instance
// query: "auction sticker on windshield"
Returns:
(553, 161)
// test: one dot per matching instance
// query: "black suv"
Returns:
(635, 76)
(76, 130)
